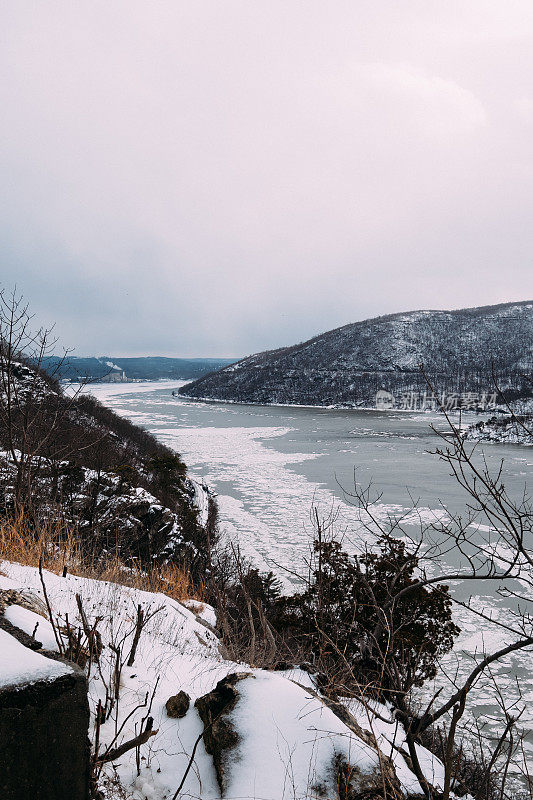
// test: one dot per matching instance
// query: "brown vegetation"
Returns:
(57, 548)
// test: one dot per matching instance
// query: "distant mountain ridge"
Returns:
(141, 368)
(350, 364)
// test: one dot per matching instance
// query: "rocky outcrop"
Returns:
(506, 429)
(110, 511)
(220, 735)
(44, 720)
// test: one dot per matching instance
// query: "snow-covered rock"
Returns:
(507, 429)
(203, 611)
(19, 665)
(44, 720)
(271, 737)
(32, 624)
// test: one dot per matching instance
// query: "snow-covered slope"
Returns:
(350, 364)
(276, 739)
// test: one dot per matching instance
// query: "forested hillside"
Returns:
(348, 366)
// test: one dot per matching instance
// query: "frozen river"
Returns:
(269, 465)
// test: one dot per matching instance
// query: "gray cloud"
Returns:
(214, 178)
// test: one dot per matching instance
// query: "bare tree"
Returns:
(32, 406)
(493, 543)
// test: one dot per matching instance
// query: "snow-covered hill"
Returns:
(349, 365)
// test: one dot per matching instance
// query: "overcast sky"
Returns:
(217, 177)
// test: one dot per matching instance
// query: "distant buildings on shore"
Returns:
(115, 375)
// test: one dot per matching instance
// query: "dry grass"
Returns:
(56, 545)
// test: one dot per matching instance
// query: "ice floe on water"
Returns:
(264, 511)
